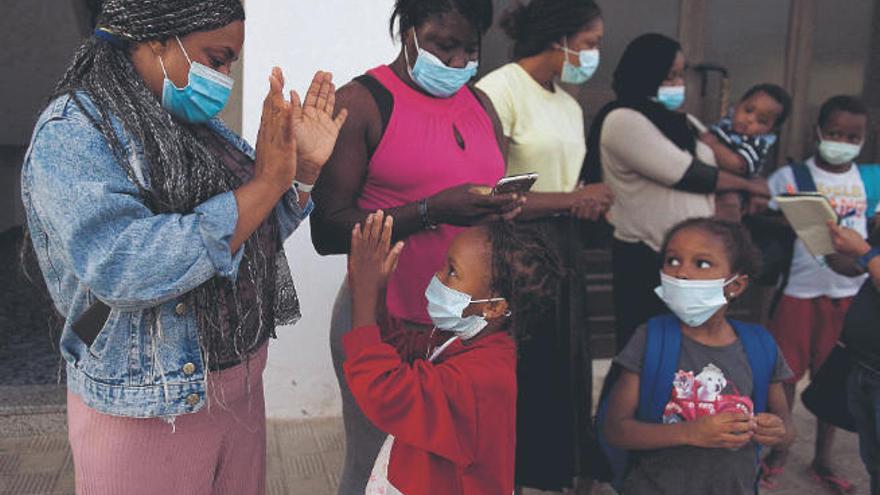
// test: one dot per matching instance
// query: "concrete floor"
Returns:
(305, 457)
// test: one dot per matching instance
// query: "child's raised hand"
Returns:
(721, 431)
(372, 259)
(769, 429)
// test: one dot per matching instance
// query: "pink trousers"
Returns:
(218, 450)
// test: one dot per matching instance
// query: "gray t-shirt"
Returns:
(710, 380)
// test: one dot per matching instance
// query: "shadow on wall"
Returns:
(29, 325)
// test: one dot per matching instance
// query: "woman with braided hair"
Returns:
(159, 233)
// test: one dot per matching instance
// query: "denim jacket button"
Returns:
(180, 309)
(193, 399)
(189, 369)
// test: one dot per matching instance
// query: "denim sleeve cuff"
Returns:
(359, 339)
(290, 214)
(310, 205)
(299, 213)
(217, 219)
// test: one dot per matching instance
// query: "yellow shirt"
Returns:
(545, 128)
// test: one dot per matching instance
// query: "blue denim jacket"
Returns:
(96, 240)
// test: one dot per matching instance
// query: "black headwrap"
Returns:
(183, 168)
(643, 67)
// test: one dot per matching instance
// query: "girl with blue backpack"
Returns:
(698, 393)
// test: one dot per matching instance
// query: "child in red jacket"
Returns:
(451, 415)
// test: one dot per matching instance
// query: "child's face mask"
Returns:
(837, 152)
(693, 301)
(446, 307)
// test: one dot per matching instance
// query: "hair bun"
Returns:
(514, 20)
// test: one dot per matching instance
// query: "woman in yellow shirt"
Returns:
(554, 41)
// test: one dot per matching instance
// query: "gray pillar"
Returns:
(871, 92)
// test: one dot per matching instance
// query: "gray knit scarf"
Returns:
(183, 172)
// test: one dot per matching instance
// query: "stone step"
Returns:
(600, 300)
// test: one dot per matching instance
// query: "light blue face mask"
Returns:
(435, 77)
(573, 74)
(693, 301)
(204, 96)
(671, 97)
(837, 152)
(446, 305)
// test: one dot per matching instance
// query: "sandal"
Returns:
(766, 473)
(832, 482)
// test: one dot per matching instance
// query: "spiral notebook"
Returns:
(808, 214)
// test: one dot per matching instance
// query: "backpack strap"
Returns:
(803, 178)
(662, 350)
(762, 354)
(871, 179)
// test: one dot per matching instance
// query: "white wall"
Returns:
(345, 37)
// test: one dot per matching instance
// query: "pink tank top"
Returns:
(417, 157)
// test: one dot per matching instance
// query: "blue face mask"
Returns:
(671, 97)
(446, 305)
(572, 74)
(435, 77)
(693, 301)
(203, 97)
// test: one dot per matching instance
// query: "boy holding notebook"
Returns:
(808, 321)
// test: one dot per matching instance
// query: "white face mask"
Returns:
(693, 301)
(589, 62)
(446, 305)
(836, 152)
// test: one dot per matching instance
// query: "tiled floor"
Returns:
(305, 457)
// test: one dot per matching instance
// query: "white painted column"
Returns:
(346, 37)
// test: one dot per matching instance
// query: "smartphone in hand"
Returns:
(515, 184)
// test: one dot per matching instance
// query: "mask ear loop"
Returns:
(507, 313)
(731, 295)
(180, 44)
(162, 63)
(567, 51)
(406, 51)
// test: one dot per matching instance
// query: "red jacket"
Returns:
(454, 420)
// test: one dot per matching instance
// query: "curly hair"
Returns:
(777, 93)
(413, 13)
(742, 254)
(536, 26)
(841, 103)
(526, 269)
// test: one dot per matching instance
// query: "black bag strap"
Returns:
(383, 98)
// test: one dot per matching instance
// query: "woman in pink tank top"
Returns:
(417, 143)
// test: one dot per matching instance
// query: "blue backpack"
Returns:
(660, 364)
